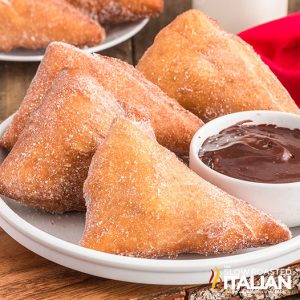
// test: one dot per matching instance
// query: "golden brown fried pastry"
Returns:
(119, 11)
(142, 201)
(211, 72)
(34, 24)
(174, 126)
(48, 165)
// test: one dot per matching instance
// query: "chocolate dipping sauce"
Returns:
(257, 153)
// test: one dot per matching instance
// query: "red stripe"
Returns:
(212, 276)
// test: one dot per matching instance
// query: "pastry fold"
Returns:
(48, 165)
(34, 24)
(142, 201)
(119, 11)
(174, 126)
(211, 72)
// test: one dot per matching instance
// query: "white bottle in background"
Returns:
(238, 15)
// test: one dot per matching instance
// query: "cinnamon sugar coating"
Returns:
(211, 72)
(49, 163)
(142, 201)
(174, 126)
(34, 24)
(119, 11)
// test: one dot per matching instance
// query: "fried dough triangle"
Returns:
(174, 126)
(119, 11)
(211, 72)
(48, 165)
(34, 24)
(142, 201)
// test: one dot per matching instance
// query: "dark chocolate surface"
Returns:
(257, 153)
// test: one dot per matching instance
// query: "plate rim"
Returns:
(139, 25)
(8, 218)
(192, 265)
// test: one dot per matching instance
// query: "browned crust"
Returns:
(144, 202)
(174, 126)
(34, 24)
(119, 11)
(49, 163)
(211, 72)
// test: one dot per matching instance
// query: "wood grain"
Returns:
(14, 81)
(122, 51)
(25, 275)
(294, 6)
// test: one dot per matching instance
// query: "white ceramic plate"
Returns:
(114, 36)
(56, 238)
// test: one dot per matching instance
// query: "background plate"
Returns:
(115, 35)
(56, 238)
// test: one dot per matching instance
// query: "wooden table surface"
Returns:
(25, 275)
